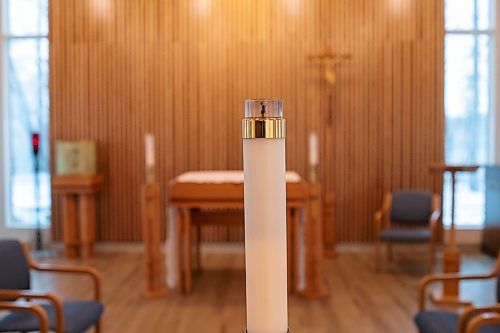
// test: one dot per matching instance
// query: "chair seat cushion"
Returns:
(405, 235)
(79, 316)
(445, 322)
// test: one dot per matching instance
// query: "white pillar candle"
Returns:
(265, 217)
(313, 149)
(150, 150)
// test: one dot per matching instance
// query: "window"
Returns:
(25, 52)
(469, 103)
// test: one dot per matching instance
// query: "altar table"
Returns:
(224, 190)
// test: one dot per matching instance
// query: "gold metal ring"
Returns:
(264, 128)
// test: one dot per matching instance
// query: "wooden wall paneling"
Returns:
(397, 111)
(406, 111)
(439, 117)
(338, 116)
(182, 69)
(54, 22)
(129, 96)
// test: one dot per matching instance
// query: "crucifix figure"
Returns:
(329, 61)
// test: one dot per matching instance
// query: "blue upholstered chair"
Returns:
(408, 217)
(26, 316)
(472, 320)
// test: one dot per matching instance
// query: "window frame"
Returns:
(6, 225)
(494, 89)
(494, 108)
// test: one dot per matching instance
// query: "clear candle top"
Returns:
(263, 108)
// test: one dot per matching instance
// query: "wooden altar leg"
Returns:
(295, 248)
(289, 249)
(198, 244)
(70, 226)
(179, 219)
(187, 249)
(86, 212)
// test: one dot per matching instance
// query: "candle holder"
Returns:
(264, 131)
(154, 262)
(314, 174)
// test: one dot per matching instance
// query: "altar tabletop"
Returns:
(210, 189)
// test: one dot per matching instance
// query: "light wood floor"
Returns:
(360, 301)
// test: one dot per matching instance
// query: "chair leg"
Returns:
(390, 256)
(432, 261)
(377, 256)
(198, 244)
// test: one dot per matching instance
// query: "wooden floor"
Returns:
(360, 301)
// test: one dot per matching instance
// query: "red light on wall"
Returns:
(35, 141)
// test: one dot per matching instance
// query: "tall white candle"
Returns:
(313, 149)
(265, 217)
(149, 149)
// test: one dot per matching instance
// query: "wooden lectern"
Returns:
(78, 211)
(451, 256)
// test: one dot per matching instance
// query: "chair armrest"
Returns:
(28, 307)
(28, 295)
(489, 318)
(378, 219)
(94, 274)
(379, 214)
(433, 223)
(427, 280)
(471, 312)
(436, 214)
(90, 271)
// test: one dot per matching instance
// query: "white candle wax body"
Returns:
(313, 149)
(150, 150)
(265, 235)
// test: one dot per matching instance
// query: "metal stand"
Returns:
(38, 232)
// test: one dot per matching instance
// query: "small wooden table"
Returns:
(224, 190)
(78, 211)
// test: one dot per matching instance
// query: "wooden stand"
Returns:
(78, 211)
(329, 237)
(154, 263)
(451, 256)
(315, 286)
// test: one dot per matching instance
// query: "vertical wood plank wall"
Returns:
(181, 69)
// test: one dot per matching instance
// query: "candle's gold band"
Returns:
(286, 331)
(264, 128)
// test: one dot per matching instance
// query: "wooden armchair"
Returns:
(472, 320)
(410, 217)
(54, 315)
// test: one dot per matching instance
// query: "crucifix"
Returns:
(329, 61)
